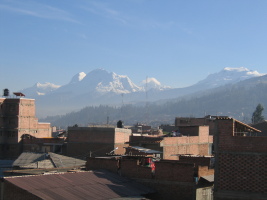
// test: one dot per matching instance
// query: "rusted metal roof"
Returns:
(99, 184)
(19, 94)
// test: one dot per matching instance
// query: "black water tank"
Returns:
(6, 92)
(119, 124)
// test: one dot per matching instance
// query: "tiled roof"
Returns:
(81, 185)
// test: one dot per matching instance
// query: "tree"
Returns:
(257, 114)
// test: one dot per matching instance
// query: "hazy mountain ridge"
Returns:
(107, 88)
(40, 89)
(237, 100)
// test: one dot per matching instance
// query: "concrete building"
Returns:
(241, 160)
(17, 119)
(96, 141)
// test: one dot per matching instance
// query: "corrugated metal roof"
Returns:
(29, 160)
(65, 161)
(144, 150)
(99, 184)
(40, 164)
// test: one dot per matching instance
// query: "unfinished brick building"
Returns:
(193, 140)
(17, 119)
(241, 160)
(96, 141)
(171, 179)
(192, 121)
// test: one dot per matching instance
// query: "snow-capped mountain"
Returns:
(99, 81)
(39, 89)
(77, 78)
(228, 75)
(153, 83)
(108, 88)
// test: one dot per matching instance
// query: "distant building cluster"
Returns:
(214, 157)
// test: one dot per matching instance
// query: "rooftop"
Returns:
(144, 150)
(99, 184)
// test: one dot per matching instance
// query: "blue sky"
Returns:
(177, 42)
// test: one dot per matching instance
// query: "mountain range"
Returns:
(100, 87)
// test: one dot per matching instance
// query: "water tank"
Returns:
(119, 124)
(6, 93)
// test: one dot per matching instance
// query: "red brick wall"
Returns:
(170, 190)
(98, 140)
(187, 121)
(240, 161)
(137, 139)
(205, 171)
(203, 161)
(243, 144)
(27, 107)
(185, 145)
(122, 135)
(91, 134)
(189, 130)
(172, 179)
(100, 163)
(242, 172)
(130, 169)
(174, 171)
(84, 149)
(121, 140)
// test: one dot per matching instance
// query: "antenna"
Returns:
(122, 104)
(147, 117)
